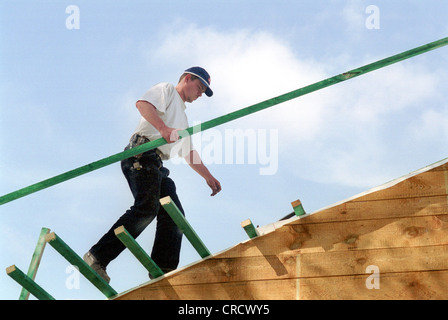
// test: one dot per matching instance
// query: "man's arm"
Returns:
(197, 165)
(148, 111)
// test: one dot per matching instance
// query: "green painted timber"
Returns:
(249, 228)
(64, 250)
(183, 225)
(224, 119)
(35, 261)
(28, 283)
(298, 208)
(138, 252)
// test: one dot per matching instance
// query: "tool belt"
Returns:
(137, 140)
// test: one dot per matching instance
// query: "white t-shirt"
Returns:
(171, 109)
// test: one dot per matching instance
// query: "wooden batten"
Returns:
(250, 229)
(388, 243)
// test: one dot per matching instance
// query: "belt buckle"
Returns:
(137, 166)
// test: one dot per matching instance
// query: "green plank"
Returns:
(28, 283)
(223, 119)
(317, 86)
(80, 171)
(138, 252)
(35, 261)
(183, 225)
(298, 208)
(60, 246)
(299, 211)
(249, 228)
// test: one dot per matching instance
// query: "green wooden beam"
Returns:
(298, 208)
(249, 228)
(64, 250)
(183, 225)
(224, 119)
(138, 252)
(35, 261)
(28, 283)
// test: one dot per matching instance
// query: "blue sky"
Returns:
(67, 98)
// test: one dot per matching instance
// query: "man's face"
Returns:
(193, 89)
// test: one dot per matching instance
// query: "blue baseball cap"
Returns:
(203, 76)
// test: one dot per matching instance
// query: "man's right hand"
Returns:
(170, 134)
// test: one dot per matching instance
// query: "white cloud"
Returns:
(366, 126)
(433, 124)
(246, 68)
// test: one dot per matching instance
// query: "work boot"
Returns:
(96, 266)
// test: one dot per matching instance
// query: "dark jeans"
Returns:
(148, 185)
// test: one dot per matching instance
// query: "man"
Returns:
(163, 113)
